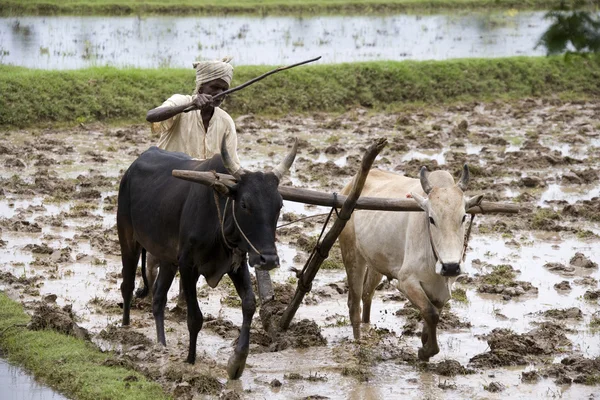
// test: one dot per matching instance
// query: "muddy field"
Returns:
(524, 322)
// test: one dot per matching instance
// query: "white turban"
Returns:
(207, 71)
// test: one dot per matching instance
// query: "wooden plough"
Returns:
(347, 204)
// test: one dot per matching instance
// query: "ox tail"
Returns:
(143, 292)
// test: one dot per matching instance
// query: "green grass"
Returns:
(261, 7)
(501, 275)
(34, 97)
(460, 295)
(542, 216)
(69, 365)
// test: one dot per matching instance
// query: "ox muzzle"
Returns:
(450, 269)
(264, 262)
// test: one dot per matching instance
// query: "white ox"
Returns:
(423, 251)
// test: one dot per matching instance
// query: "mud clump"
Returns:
(39, 249)
(580, 260)
(188, 382)
(575, 369)
(19, 225)
(302, 334)
(49, 316)
(494, 387)
(124, 336)
(501, 280)
(448, 320)
(305, 333)
(508, 348)
(559, 267)
(567, 313)
(592, 295)
(222, 327)
(22, 280)
(447, 368)
(530, 377)
(564, 285)
(587, 281)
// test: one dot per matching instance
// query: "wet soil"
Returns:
(524, 312)
(47, 316)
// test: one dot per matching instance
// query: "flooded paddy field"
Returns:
(524, 322)
(63, 42)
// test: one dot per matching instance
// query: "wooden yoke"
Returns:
(348, 204)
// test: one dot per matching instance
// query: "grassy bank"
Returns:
(261, 7)
(69, 365)
(33, 97)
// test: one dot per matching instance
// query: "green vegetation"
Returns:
(543, 217)
(333, 263)
(71, 366)
(460, 295)
(574, 27)
(502, 274)
(33, 97)
(261, 7)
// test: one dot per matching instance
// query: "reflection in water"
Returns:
(571, 195)
(75, 42)
(365, 392)
(16, 385)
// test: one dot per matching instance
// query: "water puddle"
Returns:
(90, 279)
(17, 385)
(570, 194)
(68, 42)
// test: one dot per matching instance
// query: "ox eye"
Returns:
(243, 205)
(431, 221)
(464, 218)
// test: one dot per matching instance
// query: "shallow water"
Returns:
(93, 287)
(15, 384)
(75, 42)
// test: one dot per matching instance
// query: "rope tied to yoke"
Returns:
(468, 234)
(222, 220)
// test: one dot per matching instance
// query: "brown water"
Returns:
(89, 280)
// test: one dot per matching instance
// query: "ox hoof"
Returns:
(236, 365)
(422, 354)
(190, 360)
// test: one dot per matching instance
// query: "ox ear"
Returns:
(424, 177)
(474, 201)
(421, 201)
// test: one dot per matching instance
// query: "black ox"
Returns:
(202, 229)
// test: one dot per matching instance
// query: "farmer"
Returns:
(198, 133)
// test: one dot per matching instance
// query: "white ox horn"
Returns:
(287, 162)
(464, 178)
(425, 180)
(228, 162)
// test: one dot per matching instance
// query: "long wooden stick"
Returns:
(258, 78)
(314, 197)
(322, 250)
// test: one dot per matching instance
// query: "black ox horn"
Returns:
(464, 178)
(425, 180)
